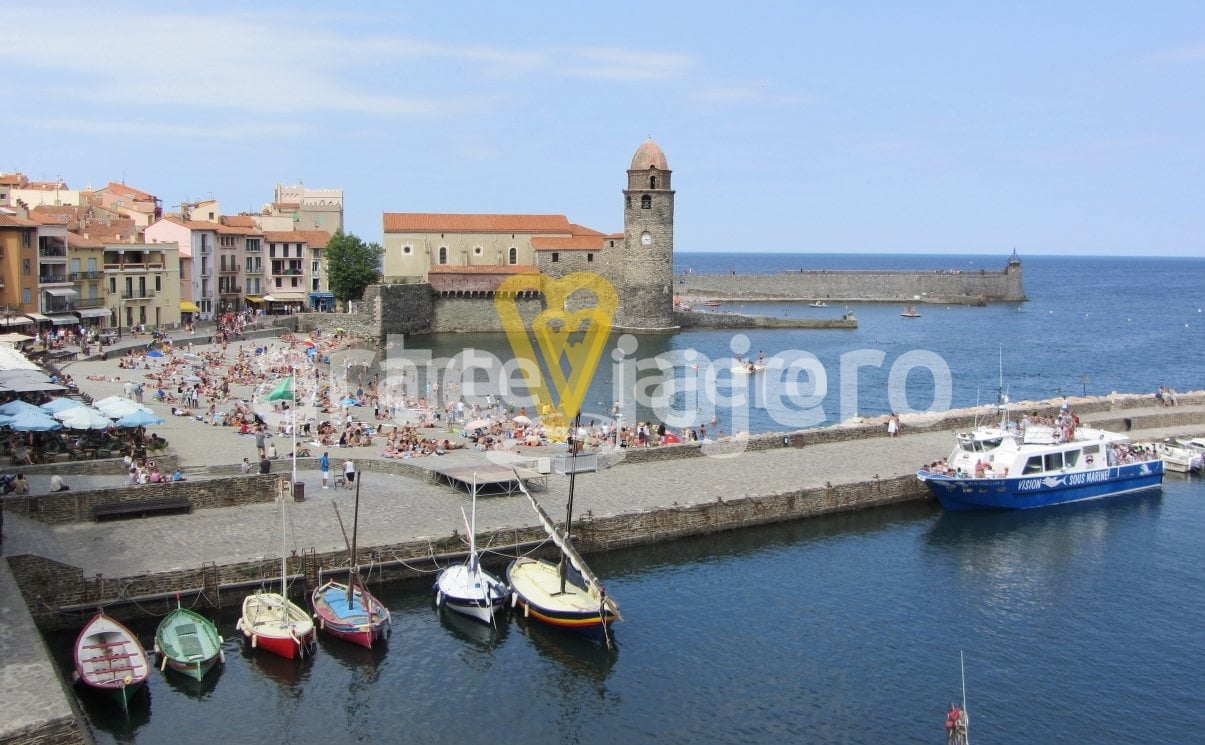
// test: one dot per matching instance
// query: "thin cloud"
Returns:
(759, 93)
(144, 128)
(614, 63)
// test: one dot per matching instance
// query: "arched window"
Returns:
(443, 254)
(513, 255)
(646, 202)
(652, 182)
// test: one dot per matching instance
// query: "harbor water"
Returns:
(1079, 623)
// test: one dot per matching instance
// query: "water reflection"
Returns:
(190, 686)
(481, 636)
(291, 675)
(104, 713)
(581, 658)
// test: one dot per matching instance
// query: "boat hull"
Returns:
(476, 594)
(536, 587)
(109, 657)
(365, 622)
(969, 494)
(272, 623)
(188, 643)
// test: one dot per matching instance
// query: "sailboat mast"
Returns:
(354, 578)
(574, 446)
(966, 735)
(473, 529)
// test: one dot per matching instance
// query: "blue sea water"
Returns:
(1080, 623)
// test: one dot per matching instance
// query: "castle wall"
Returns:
(861, 286)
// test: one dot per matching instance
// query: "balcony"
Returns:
(230, 290)
(81, 276)
(52, 279)
(90, 302)
(52, 252)
(137, 294)
(58, 306)
(134, 266)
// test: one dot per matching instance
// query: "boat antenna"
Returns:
(574, 446)
(966, 732)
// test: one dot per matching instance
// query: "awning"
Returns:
(37, 317)
(285, 297)
(254, 299)
(15, 321)
(63, 320)
(61, 291)
(322, 295)
(187, 306)
(93, 313)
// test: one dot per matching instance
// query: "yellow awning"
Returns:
(254, 299)
(188, 306)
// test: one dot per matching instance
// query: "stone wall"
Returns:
(737, 321)
(862, 286)
(76, 506)
(455, 315)
(61, 731)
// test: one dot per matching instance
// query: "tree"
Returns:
(351, 265)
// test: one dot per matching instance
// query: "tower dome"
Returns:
(649, 155)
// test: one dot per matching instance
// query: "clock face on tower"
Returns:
(646, 239)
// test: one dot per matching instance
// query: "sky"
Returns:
(873, 127)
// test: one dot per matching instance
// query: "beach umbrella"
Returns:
(670, 439)
(83, 417)
(12, 408)
(479, 424)
(33, 421)
(30, 386)
(139, 419)
(62, 403)
(121, 407)
(154, 353)
(282, 392)
(522, 419)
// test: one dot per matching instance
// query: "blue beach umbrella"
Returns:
(55, 405)
(138, 419)
(30, 421)
(12, 408)
(154, 353)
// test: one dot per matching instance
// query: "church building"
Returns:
(470, 255)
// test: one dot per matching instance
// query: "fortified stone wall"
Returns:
(737, 321)
(455, 314)
(841, 286)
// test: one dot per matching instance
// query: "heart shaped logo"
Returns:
(571, 333)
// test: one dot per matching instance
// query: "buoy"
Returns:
(439, 598)
(162, 663)
(254, 641)
(222, 656)
(526, 610)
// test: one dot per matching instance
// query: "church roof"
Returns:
(649, 155)
(431, 222)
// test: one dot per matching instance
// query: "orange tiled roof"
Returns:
(431, 222)
(583, 230)
(47, 185)
(75, 240)
(483, 269)
(12, 179)
(128, 191)
(614, 236)
(42, 218)
(240, 221)
(200, 225)
(238, 230)
(15, 221)
(572, 243)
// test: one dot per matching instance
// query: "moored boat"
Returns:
(109, 657)
(910, 312)
(1179, 457)
(349, 611)
(271, 621)
(188, 642)
(467, 588)
(1006, 466)
(818, 304)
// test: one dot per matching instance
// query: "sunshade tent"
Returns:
(479, 424)
(30, 386)
(33, 421)
(119, 408)
(83, 417)
(12, 408)
(139, 419)
(55, 405)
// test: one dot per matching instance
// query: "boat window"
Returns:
(1071, 458)
(1054, 461)
(1092, 449)
(1034, 464)
(992, 444)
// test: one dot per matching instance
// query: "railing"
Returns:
(63, 307)
(53, 251)
(50, 279)
(133, 266)
(137, 294)
(90, 302)
(77, 276)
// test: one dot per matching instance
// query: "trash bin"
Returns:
(298, 491)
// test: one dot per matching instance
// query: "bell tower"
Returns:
(647, 270)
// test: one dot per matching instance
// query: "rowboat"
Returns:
(188, 642)
(109, 657)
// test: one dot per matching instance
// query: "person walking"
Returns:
(324, 467)
(259, 440)
(349, 472)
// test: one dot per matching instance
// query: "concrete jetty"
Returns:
(650, 495)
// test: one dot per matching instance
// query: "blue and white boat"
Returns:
(1010, 466)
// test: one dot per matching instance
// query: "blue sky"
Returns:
(921, 127)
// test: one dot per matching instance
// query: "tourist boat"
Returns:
(188, 642)
(818, 304)
(109, 657)
(565, 594)
(1180, 457)
(349, 611)
(467, 588)
(271, 621)
(1005, 466)
(910, 312)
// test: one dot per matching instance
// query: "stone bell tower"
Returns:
(646, 269)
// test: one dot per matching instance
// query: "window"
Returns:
(26, 297)
(556, 256)
(513, 255)
(112, 285)
(92, 264)
(1034, 464)
(589, 258)
(158, 283)
(627, 201)
(1054, 461)
(407, 249)
(646, 202)
(443, 254)
(25, 267)
(652, 182)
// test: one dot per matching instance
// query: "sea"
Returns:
(1077, 623)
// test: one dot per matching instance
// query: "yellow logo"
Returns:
(553, 328)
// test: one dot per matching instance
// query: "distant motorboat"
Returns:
(818, 304)
(1180, 456)
(910, 312)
